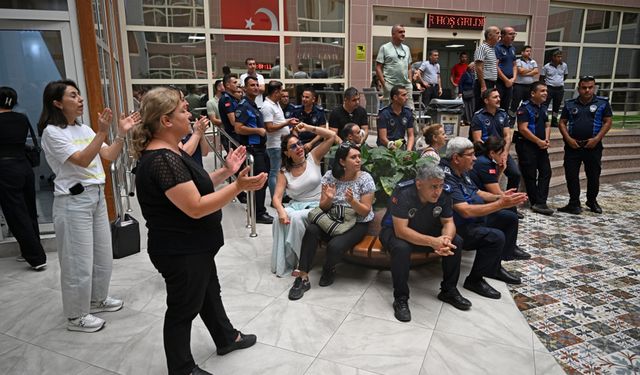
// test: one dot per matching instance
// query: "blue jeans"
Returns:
(275, 160)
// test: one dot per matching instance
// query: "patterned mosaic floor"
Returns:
(581, 289)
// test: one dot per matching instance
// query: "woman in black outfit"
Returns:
(17, 182)
(183, 214)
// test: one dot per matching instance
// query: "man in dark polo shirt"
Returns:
(395, 121)
(251, 132)
(585, 120)
(349, 111)
(534, 131)
(227, 106)
(507, 69)
(419, 218)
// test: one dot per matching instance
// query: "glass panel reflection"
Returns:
(232, 50)
(630, 28)
(183, 13)
(597, 62)
(35, 4)
(628, 65)
(602, 26)
(317, 57)
(565, 24)
(245, 14)
(316, 15)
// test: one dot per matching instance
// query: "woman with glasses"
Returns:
(346, 185)
(300, 178)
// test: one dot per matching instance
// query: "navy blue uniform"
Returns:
(493, 236)
(584, 121)
(505, 55)
(290, 110)
(484, 172)
(249, 115)
(315, 117)
(534, 161)
(396, 124)
(227, 104)
(424, 218)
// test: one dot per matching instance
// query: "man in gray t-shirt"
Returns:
(392, 63)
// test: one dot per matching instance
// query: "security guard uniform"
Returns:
(493, 125)
(534, 161)
(227, 104)
(584, 121)
(248, 114)
(506, 55)
(485, 171)
(290, 110)
(315, 117)
(396, 124)
(425, 219)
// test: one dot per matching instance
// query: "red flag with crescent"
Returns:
(250, 15)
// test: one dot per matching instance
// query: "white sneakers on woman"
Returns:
(91, 323)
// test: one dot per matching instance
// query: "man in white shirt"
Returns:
(553, 75)
(251, 64)
(527, 72)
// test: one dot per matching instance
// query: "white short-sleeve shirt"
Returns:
(272, 112)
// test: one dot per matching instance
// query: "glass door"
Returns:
(35, 53)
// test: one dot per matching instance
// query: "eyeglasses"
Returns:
(404, 54)
(294, 146)
(514, 33)
(463, 154)
(587, 78)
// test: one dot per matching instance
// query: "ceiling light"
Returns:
(197, 37)
(454, 45)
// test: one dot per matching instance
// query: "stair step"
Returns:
(608, 176)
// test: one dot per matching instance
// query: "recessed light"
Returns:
(454, 45)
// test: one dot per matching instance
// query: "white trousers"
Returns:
(83, 238)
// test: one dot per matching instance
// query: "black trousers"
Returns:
(592, 168)
(478, 95)
(536, 170)
(401, 261)
(18, 202)
(261, 164)
(336, 246)
(555, 94)
(521, 92)
(505, 95)
(192, 288)
(493, 241)
(513, 173)
(429, 93)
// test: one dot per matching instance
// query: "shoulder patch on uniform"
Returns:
(238, 112)
(227, 104)
(447, 188)
(492, 171)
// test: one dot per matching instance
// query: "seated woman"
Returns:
(345, 184)
(300, 178)
(435, 138)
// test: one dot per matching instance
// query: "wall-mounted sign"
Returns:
(454, 21)
(361, 52)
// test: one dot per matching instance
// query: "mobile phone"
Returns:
(76, 189)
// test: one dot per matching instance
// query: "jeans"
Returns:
(275, 161)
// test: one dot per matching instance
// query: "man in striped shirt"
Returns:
(486, 65)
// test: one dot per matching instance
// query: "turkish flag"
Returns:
(250, 15)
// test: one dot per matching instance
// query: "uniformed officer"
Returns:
(227, 106)
(310, 113)
(488, 227)
(287, 108)
(583, 123)
(507, 69)
(493, 120)
(251, 132)
(395, 120)
(532, 144)
(419, 218)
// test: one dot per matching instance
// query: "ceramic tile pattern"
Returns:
(580, 300)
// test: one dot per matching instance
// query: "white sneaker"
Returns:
(40, 267)
(109, 304)
(85, 323)
(20, 258)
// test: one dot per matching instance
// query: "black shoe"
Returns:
(594, 207)
(455, 299)
(198, 371)
(245, 342)
(264, 219)
(300, 286)
(401, 309)
(482, 288)
(520, 214)
(504, 275)
(327, 277)
(571, 209)
(542, 209)
(519, 254)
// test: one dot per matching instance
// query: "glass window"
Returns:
(245, 14)
(320, 57)
(597, 62)
(35, 4)
(602, 26)
(626, 97)
(387, 17)
(565, 24)
(628, 64)
(630, 27)
(569, 56)
(184, 13)
(233, 50)
(518, 23)
(316, 15)
(167, 55)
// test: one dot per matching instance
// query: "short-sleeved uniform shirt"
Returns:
(460, 188)
(584, 121)
(396, 124)
(554, 75)
(171, 231)
(423, 217)
(290, 110)
(227, 104)
(339, 117)
(395, 61)
(248, 114)
(535, 116)
(485, 171)
(490, 124)
(487, 55)
(526, 64)
(316, 118)
(506, 55)
(430, 72)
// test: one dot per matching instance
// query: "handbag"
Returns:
(467, 94)
(125, 236)
(33, 151)
(337, 220)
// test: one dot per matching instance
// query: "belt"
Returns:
(556, 87)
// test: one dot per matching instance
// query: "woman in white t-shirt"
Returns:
(83, 236)
(300, 177)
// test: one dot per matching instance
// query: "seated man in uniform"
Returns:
(395, 121)
(419, 218)
(481, 219)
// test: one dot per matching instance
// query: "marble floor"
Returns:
(348, 328)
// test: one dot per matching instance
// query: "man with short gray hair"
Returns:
(486, 64)
(419, 219)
